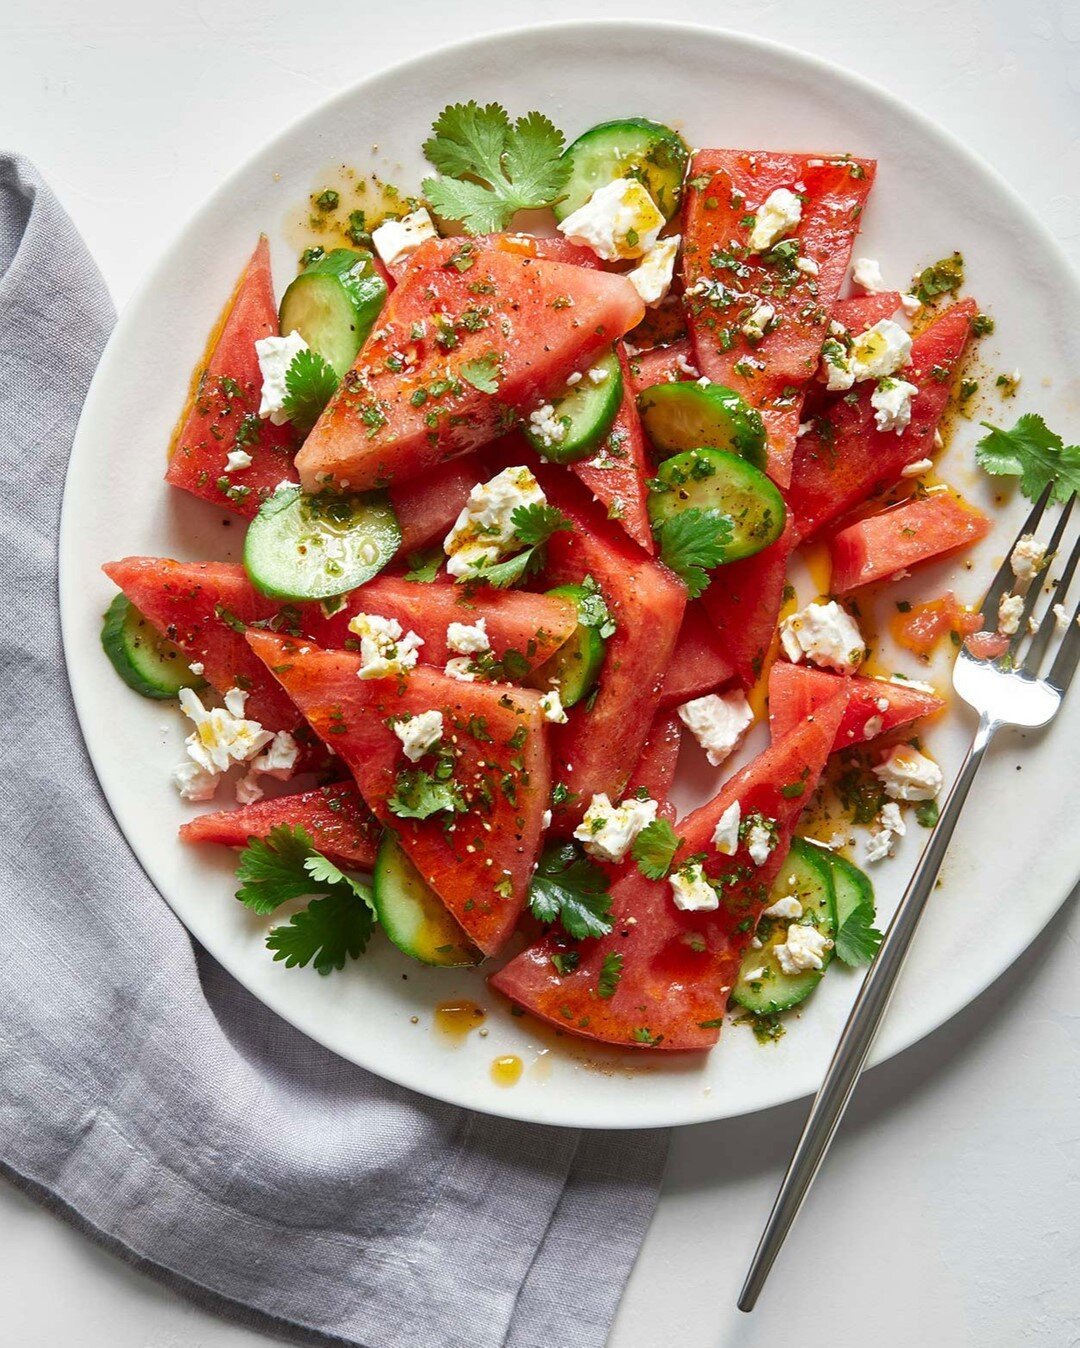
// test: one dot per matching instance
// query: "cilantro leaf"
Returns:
(593, 610)
(857, 939)
(492, 167)
(944, 277)
(424, 567)
(328, 876)
(692, 543)
(534, 525)
(569, 887)
(610, 973)
(482, 373)
(310, 383)
(417, 795)
(271, 871)
(654, 849)
(1032, 452)
(325, 933)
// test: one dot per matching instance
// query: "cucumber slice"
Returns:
(713, 479)
(854, 899)
(806, 876)
(412, 914)
(333, 305)
(575, 666)
(584, 412)
(631, 148)
(315, 547)
(142, 657)
(687, 415)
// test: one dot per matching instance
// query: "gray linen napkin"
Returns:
(147, 1095)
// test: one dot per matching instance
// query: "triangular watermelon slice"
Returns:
(743, 602)
(727, 188)
(205, 607)
(335, 816)
(915, 531)
(846, 459)
(222, 410)
(874, 706)
(478, 861)
(470, 338)
(701, 663)
(655, 770)
(677, 968)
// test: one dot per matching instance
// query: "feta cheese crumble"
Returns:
(222, 737)
(907, 774)
(825, 635)
(236, 460)
(545, 425)
(807, 266)
(881, 350)
(891, 401)
(759, 320)
(468, 638)
(1010, 611)
(419, 733)
(788, 907)
(278, 759)
(552, 707)
(866, 274)
(275, 356)
(778, 215)
(395, 240)
(608, 831)
(484, 531)
(804, 948)
(1027, 559)
(652, 277)
(888, 826)
(760, 838)
(911, 304)
(460, 668)
(384, 649)
(691, 891)
(619, 220)
(718, 722)
(917, 468)
(726, 833)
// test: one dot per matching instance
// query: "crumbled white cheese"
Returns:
(552, 707)
(652, 277)
(866, 274)
(825, 635)
(1027, 559)
(752, 975)
(726, 834)
(881, 350)
(419, 733)
(384, 649)
(278, 759)
(545, 820)
(237, 460)
(684, 367)
(788, 907)
(484, 530)
(759, 320)
(619, 220)
(197, 668)
(805, 427)
(545, 425)
(222, 737)
(917, 468)
(597, 374)
(718, 722)
(608, 831)
(911, 304)
(1061, 618)
(460, 667)
(778, 215)
(275, 356)
(888, 826)
(804, 948)
(891, 401)
(807, 266)
(395, 240)
(1010, 611)
(761, 838)
(873, 727)
(691, 891)
(909, 775)
(468, 638)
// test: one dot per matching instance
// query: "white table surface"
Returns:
(949, 1209)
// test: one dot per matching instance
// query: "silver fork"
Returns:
(1005, 692)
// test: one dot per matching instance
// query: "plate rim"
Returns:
(917, 1026)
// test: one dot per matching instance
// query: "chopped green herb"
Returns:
(654, 849)
(568, 886)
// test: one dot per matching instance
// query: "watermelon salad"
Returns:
(520, 513)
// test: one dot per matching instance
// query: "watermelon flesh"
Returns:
(204, 608)
(516, 322)
(842, 464)
(873, 708)
(662, 365)
(340, 824)
(480, 861)
(222, 410)
(678, 968)
(427, 507)
(772, 373)
(859, 312)
(914, 532)
(655, 770)
(701, 663)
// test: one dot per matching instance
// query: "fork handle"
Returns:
(861, 1028)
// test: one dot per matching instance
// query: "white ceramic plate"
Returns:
(1013, 861)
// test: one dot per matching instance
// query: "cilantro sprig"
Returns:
(571, 889)
(654, 849)
(533, 525)
(693, 543)
(483, 373)
(857, 939)
(424, 566)
(492, 167)
(310, 383)
(418, 795)
(1032, 452)
(336, 925)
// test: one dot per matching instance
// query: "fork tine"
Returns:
(1035, 589)
(1003, 581)
(1041, 640)
(1061, 671)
